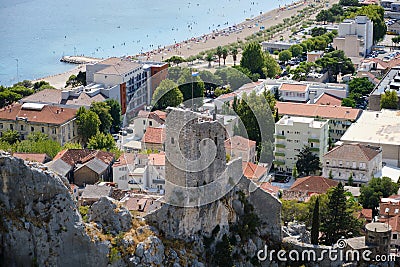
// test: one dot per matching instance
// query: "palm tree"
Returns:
(224, 54)
(219, 54)
(234, 55)
(209, 58)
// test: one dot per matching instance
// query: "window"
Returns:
(394, 236)
(11, 127)
(42, 129)
(1, 126)
(172, 140)
(144, 122)
(327, 162)
(340, 163)
(150, 123)
(22, 127)
(32, 129)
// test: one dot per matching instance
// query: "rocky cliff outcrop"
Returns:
(40, 224)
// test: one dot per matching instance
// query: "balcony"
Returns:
(314, 149)
(279, 154)
(279, 162)
(313, 140)
(278, 136)
(280, 145)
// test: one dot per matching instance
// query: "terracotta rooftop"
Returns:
(267, 187)
(157, 159)
(45, 96)
(84, 100)
(394, 222)
(293, 87)
(37, 157)
(154, 135)
(314, 110)
(356, 152)
(240, 143)
(74, 156)
(141, 203)
(313, 184)
(158, 116)
(366, 214)
(124, 159)
(39, 113)
(253, 171)
(328, 99)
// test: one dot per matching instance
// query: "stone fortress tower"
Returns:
(202, 190)
(195, 151)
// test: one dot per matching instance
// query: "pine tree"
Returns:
(339, 222)
(351, 180)
(315, 224)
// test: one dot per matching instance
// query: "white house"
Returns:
(294, 92)
(147, 119)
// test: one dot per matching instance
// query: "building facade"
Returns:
(340, 118)
(292, 134)
(358, 161)
(58, 123)
(355, 37)
(134, 79)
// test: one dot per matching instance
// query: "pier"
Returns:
(79, 59)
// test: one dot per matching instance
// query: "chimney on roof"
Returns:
(377, 115)
(312, 97)
(62, 109)
(58, 111)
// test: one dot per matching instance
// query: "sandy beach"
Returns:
(196, 45)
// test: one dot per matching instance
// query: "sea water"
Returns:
(35, 34)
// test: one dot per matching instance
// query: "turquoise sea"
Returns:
(35, 34)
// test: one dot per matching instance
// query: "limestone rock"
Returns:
(39, 222)
(110, 216)
(154, 252)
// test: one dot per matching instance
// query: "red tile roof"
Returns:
(293, 87)
(356, 152)
(314, 110)
(45, 95)
(73, 156)
(37, 157)
(240, 143)
(154, 135)
(124, 159)
(267, 187)
(48, 114)
(253, 171)
(366, 214)
(158, 116)
(157, 159)
(328, 99)
(313, 184)
(394, 222)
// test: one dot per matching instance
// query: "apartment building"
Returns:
(340, 118)
(292, 134)
(362, 162)
(355, 36)
(378, 128)
(294, 92)
(58, 123)
(136, 80)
